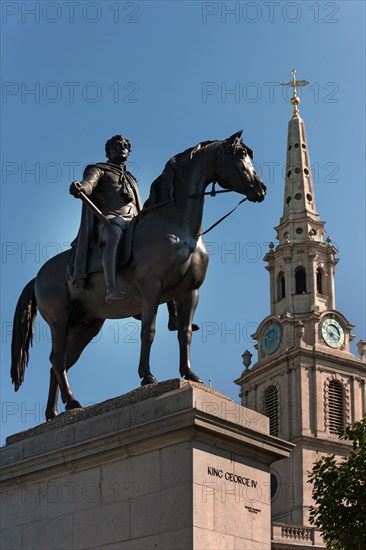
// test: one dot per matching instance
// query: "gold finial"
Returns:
(295, 100)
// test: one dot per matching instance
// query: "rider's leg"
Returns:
(112, 236)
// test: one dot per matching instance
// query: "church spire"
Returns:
(300, 220)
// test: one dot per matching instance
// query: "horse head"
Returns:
(234, 169)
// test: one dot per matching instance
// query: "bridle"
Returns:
(211, 193)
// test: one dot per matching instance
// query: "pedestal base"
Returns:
(172, 465)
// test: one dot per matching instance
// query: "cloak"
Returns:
(85, 244)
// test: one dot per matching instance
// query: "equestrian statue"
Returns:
(128, 259)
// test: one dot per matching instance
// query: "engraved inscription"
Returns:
(229, 476)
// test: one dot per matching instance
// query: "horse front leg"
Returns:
(150, 301)
(185, 311)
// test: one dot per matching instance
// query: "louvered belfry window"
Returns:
(335, 406)
(271, 408)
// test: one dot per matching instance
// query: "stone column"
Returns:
(312, 279)
(269, 257)
(331, 265)
(287, 256)
(272, 288)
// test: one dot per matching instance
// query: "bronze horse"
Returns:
(168, 262)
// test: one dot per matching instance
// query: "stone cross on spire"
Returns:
(295, 100)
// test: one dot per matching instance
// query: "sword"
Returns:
(89, 204)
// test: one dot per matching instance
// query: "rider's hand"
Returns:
(76, 188)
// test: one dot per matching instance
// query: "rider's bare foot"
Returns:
(114, 295)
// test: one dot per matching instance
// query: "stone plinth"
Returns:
(172, 465)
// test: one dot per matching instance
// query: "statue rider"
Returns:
(115, 192)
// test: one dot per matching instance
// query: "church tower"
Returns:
(306, 380)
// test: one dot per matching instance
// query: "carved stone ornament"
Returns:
(300, 331)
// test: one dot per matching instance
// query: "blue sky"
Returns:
(168, 75)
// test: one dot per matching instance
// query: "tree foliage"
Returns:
(339, 493)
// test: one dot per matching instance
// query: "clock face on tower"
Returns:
(332, 333)
(271, 338)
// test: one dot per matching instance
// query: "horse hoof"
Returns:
(193, 377)
(50, 414)
(149, 379)
(73, 404)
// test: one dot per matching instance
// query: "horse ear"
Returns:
(234, 137)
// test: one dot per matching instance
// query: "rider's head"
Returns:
(117, 148)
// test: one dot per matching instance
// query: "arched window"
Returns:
(336, 414)
(300, 281)
(271, 409)
(281, 286)
(319, 281)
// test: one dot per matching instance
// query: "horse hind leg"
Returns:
(185, 310)
(51, 408)
(59, 330)
(79, 336)
(149, 302)
(59, 334)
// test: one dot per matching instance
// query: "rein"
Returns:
(223, 217)
(212, 193)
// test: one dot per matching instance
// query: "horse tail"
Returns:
(23, 330)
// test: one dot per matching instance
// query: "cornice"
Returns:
(345, 365)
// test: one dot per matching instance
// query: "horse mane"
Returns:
(164, 186)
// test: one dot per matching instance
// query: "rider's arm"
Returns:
(91, 177)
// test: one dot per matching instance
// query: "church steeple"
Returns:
(300, 220)
(302, 265)
(306, 379)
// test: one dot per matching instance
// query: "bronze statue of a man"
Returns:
(115, 192)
